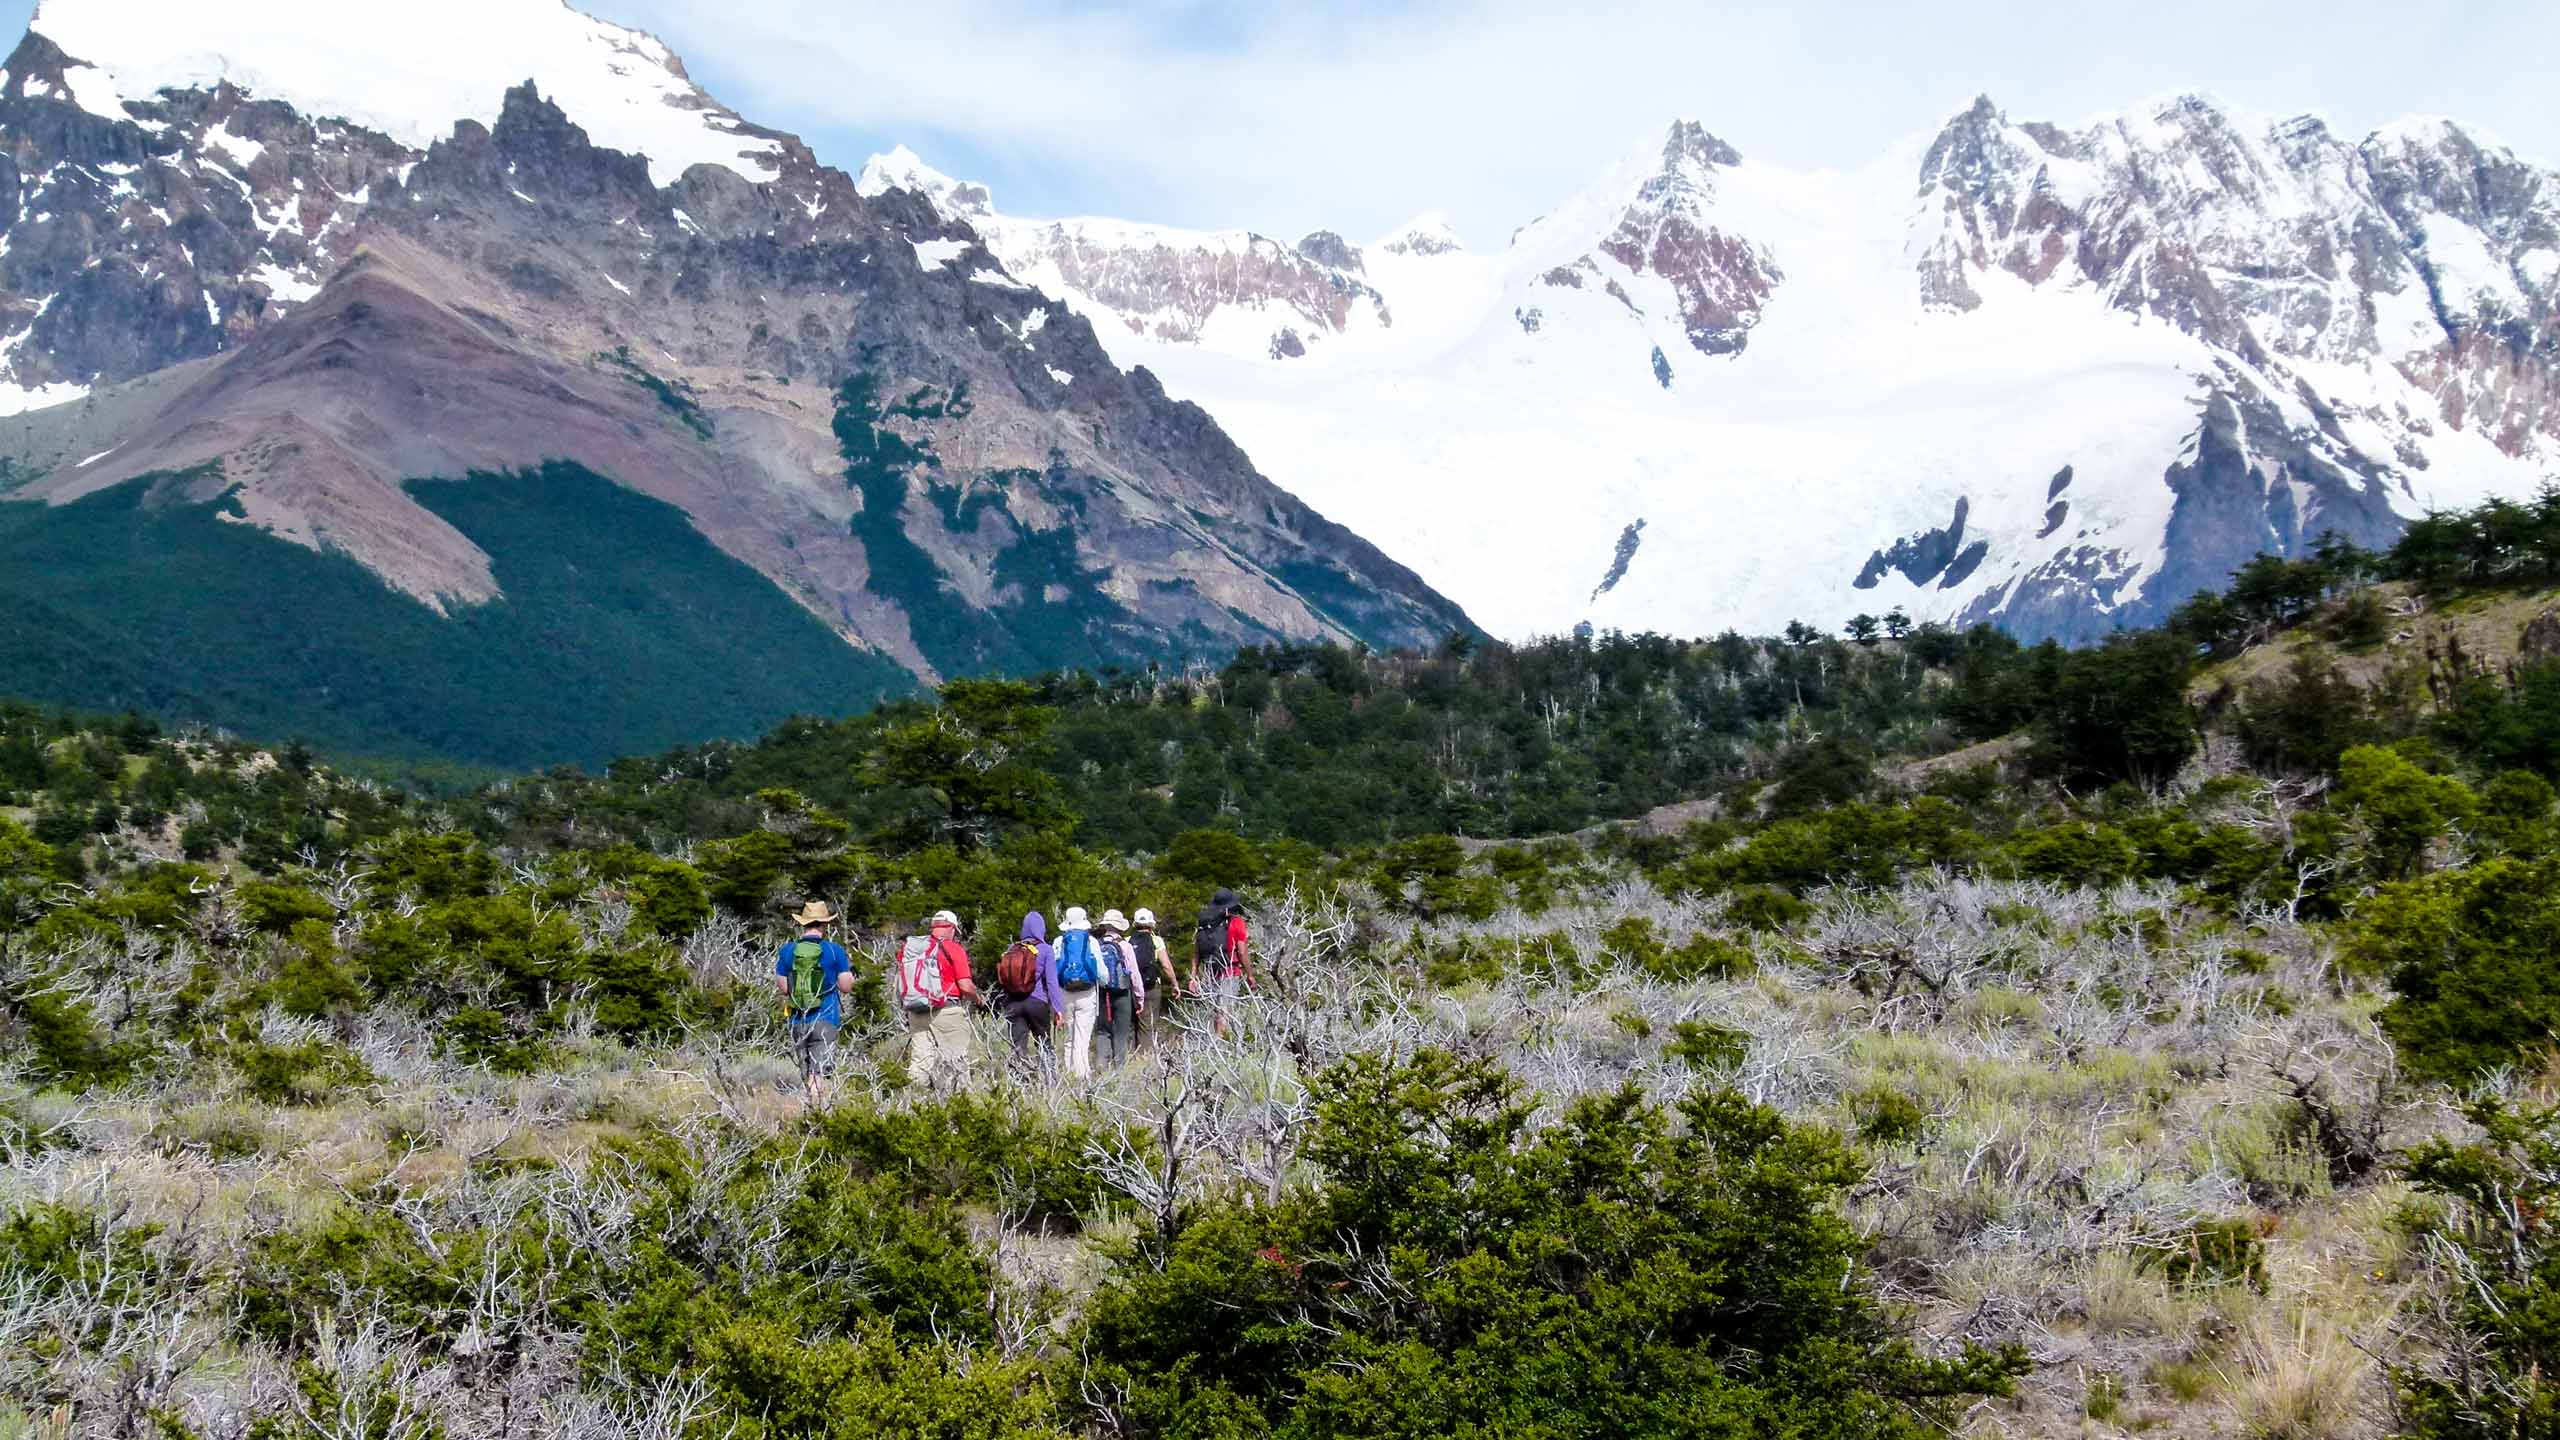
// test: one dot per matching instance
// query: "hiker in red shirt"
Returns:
(1222, 960)
(935, 991)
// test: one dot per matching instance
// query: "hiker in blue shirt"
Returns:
(814, 975)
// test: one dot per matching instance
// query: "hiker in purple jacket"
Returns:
(1027, 993)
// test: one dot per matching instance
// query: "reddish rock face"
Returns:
(1722, 280)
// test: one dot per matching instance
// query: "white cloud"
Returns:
(1286, 118)
(1352, 117)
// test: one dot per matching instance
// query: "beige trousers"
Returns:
(939, 1042)
(1083, 1008)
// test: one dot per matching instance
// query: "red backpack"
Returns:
(1018, 971)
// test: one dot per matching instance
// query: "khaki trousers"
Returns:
(939, 1042)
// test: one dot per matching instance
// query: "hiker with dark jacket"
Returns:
(1162, 977)
(1027, 993)
(1220, 953)
(814, 975)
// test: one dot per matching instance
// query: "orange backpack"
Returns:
(1018, 972)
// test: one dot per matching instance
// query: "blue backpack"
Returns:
(1075, 961)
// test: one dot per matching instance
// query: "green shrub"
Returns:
(2074, 853)
(775, 1381)
(1633, 939)
(1704, 956)
(312, 979)
(1462, 1272)
(294, 1280)
(277, 908)
(69, 1250)
(983, 1149)
(2219, 1252)
(639, 989)
(2469, 957)
(1853, 843)
(2404, 809)
(668, 899)
(301, 1073)
(1765, 908)
(2501, 1189)
(1889, 1117)
(432, 867)
(1708, 1045)
(64, 1042)
(478, 1035)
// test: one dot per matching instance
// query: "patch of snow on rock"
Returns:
(283, 284)
(409, 72)
(18, 399)
(2468, 275)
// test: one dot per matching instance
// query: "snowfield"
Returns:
(1499, 431)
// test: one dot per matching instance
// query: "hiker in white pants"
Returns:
(1079, 959)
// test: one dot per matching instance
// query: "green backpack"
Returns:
(808, 976)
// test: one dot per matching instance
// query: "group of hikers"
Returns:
(1111, 985)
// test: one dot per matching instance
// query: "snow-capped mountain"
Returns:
(285, 259)
(1181, 286)
(2055, 378)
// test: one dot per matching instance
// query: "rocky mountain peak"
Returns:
(1666, 229)
(1327, 248)
(407, 74)
(1240, 291)
(902, 169)
(1426, 234)
(1689, 144)
(2419, 246)
(526, 239)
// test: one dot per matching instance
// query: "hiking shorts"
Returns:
(813, 1044)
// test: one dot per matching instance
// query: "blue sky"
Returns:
(1291, 117)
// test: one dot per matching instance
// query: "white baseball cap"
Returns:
(1146, 917)
(945, 917)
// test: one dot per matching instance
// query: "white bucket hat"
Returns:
(1114, 920)
(1075, 919)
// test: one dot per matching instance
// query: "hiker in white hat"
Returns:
(814, 975)
(1157, 972)
(1080, 965)
(936, 987)
(1124, 992)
